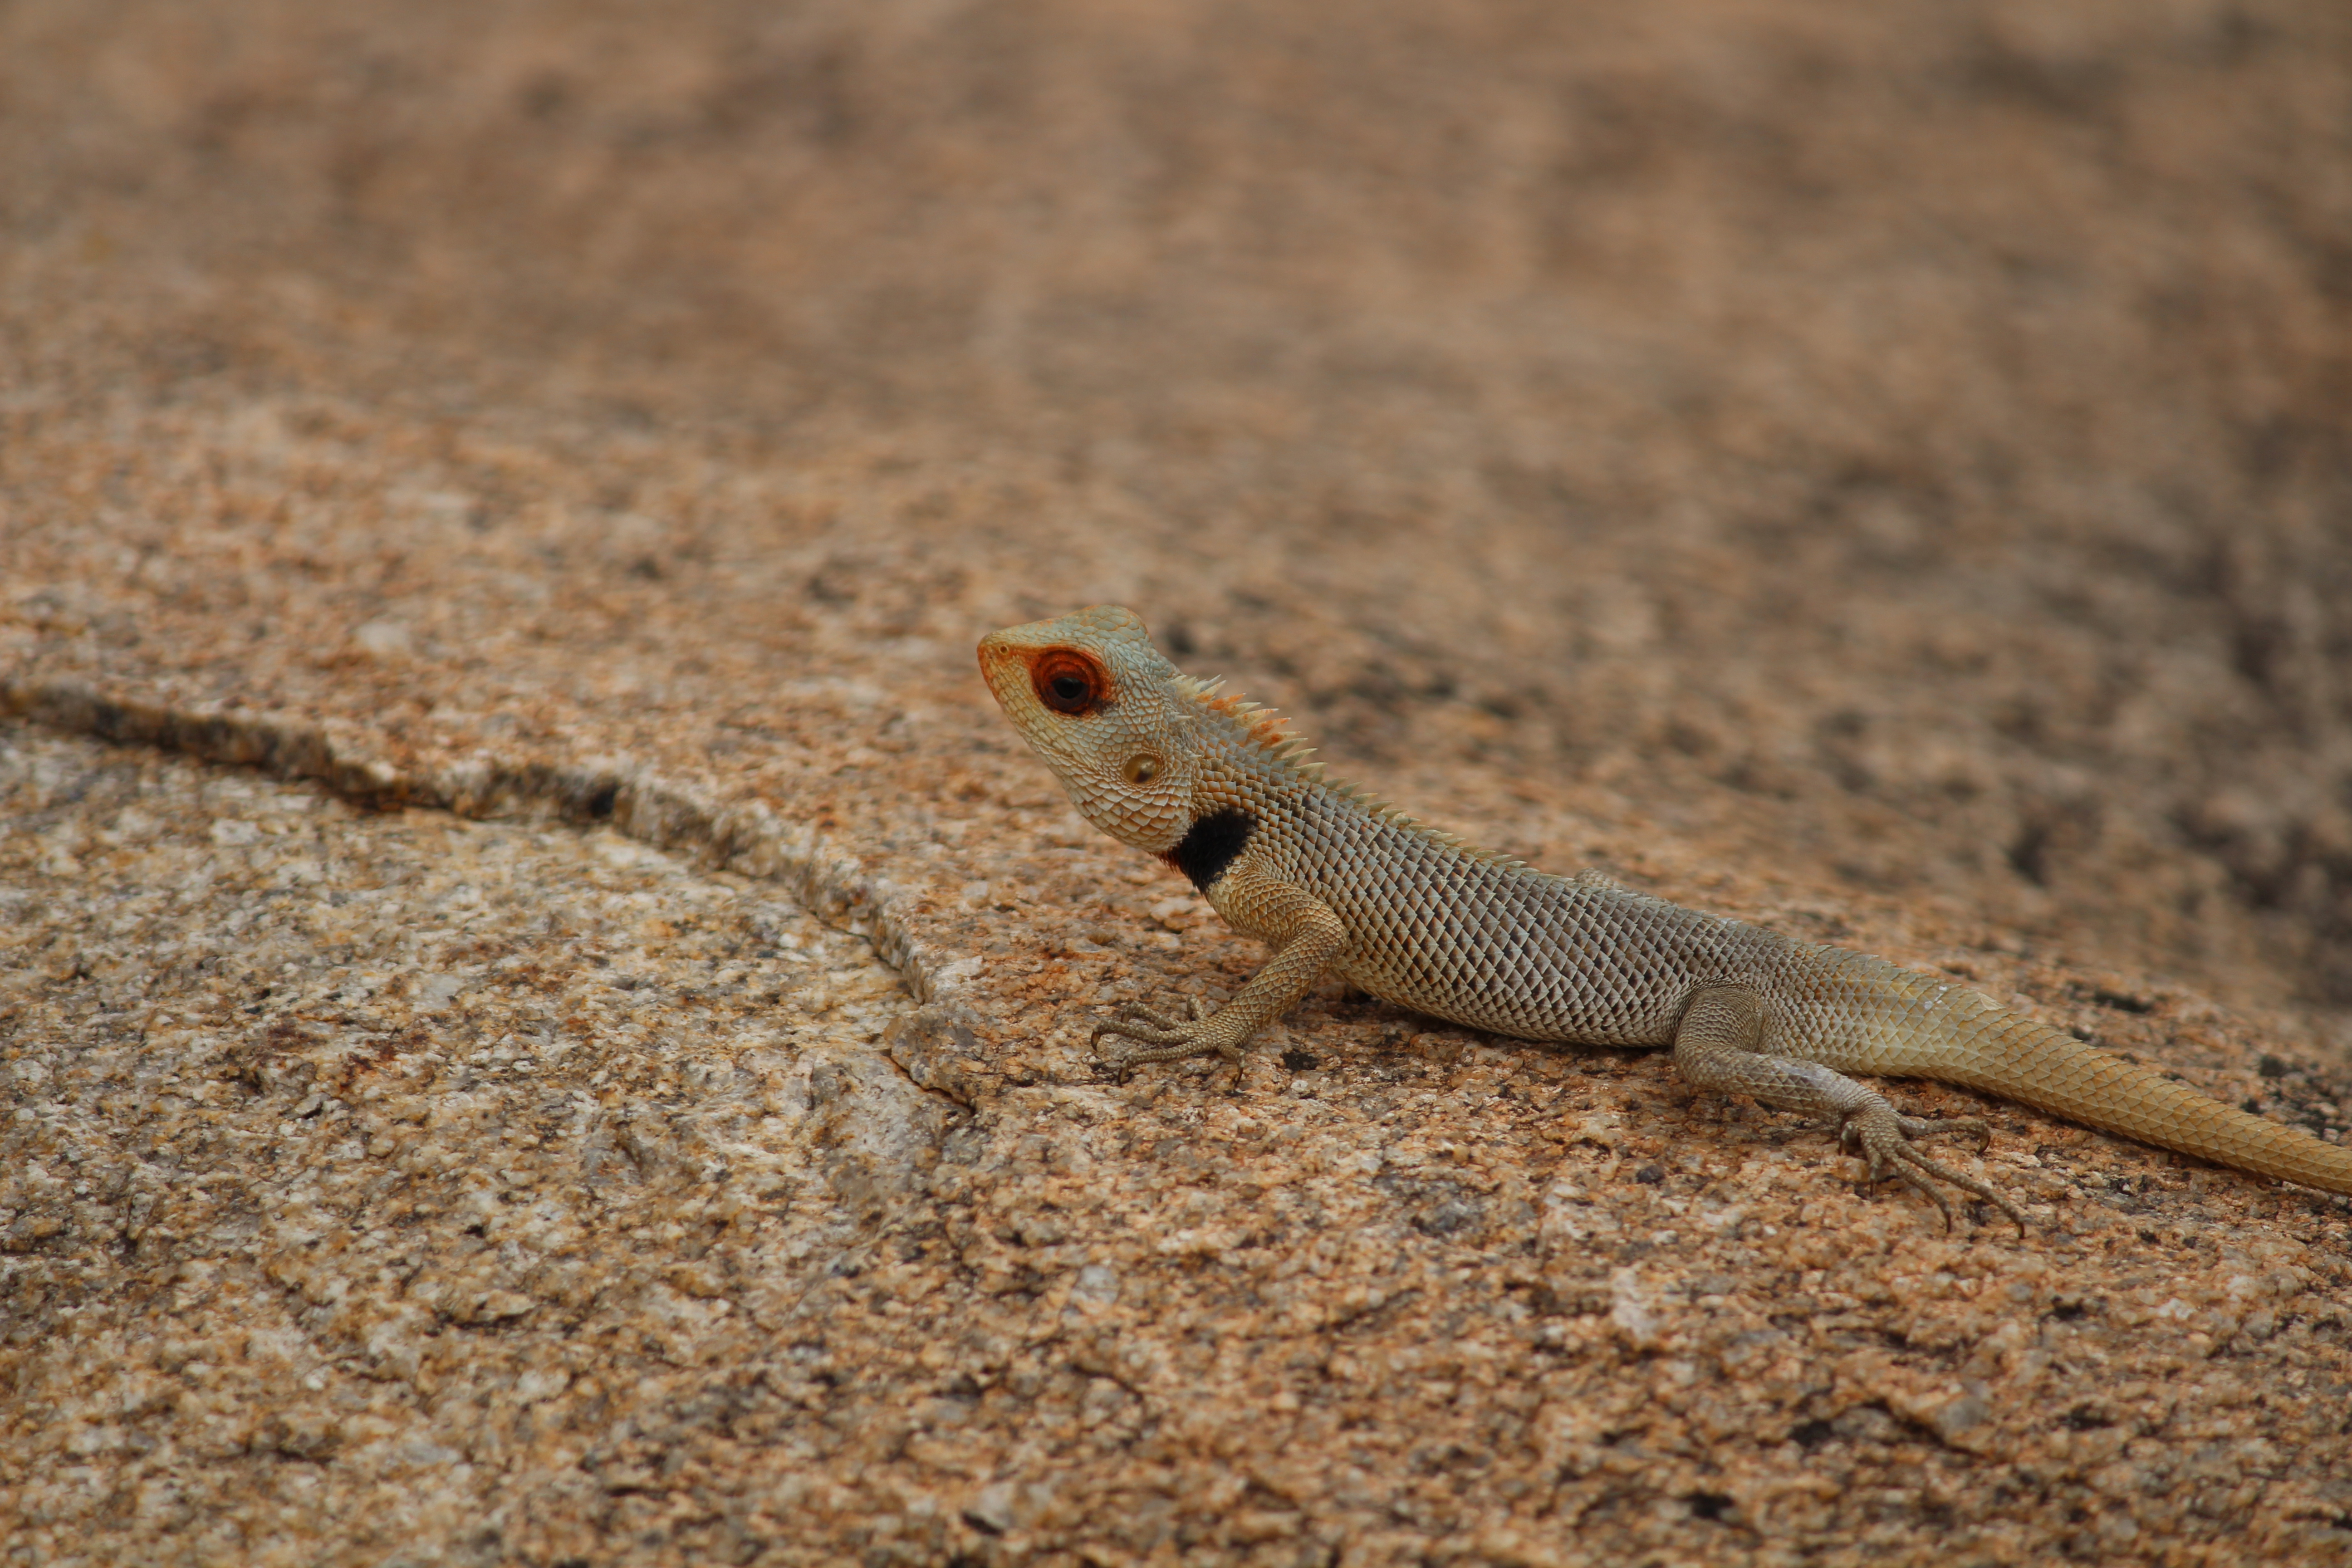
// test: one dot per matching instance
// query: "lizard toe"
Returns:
(1885, 1139)
(1128, 1060)
(1912, 1176)
(1975, 1127)
(1159, 1038)
(1153, 1034)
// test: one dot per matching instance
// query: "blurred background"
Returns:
(1910, 441)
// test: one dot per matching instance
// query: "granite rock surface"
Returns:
(542, 1017)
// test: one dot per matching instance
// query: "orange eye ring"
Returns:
(1067, 681)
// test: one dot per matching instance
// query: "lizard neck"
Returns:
(1213, 843)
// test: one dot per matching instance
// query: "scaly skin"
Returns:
(1331, 880)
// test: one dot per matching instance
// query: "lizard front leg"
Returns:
(1305, 935)
(1715, 1048)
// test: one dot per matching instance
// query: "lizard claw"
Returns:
(1975, 1127)
(1166, 1040)
(1885, 1138)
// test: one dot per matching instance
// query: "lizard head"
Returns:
(1118, 724)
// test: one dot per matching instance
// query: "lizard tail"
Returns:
(1959, 1037)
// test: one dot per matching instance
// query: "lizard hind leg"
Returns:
(1715, 1048)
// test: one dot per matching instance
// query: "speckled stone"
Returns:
(543, 1017)
(359, 1162)
(432, 1187)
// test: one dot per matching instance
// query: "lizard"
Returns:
(1332, 879)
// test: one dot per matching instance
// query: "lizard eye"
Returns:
(1068, 682)
(1141, 769)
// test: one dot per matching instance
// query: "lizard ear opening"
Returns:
(1068, 681)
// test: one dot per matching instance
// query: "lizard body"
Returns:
(1331, 880)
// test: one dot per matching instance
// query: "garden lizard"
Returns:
(1333, 880)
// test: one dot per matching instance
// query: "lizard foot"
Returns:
(1885, 1139)
(1164, 1039)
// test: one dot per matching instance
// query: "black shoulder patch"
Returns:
(1212, 843)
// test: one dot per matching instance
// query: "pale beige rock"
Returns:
(339, 1138)
(539, 476)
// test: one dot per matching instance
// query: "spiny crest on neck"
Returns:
(1262, 728)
